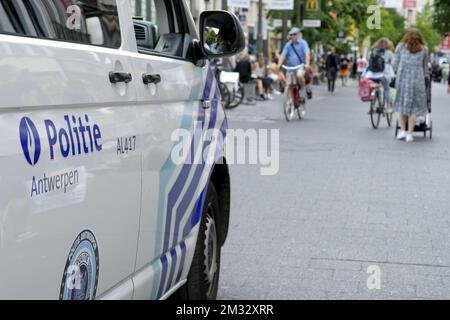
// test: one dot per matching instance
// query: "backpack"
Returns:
(377, 62)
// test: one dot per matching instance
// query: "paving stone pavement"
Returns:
(346, 198)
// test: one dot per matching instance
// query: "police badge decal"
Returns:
(80, 277)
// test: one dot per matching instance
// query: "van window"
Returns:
(158, 27)
(94, 22)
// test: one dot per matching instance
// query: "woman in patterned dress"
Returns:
(411, 67)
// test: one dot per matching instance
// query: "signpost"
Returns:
(239, 3)
(281, 4)
(409, 4)
(389, 3)
(312, 12)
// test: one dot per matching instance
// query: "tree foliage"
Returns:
(349, 14)
(425, 24)
(441, 16)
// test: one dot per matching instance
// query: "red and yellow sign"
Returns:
(409, 4)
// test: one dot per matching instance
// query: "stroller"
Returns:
(424, 123)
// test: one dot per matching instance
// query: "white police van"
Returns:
(92, 204)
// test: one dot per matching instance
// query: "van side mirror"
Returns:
(221, 34)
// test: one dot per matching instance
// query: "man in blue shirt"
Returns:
(296, 52)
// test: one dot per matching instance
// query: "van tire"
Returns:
(203, 282)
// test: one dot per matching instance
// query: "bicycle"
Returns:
(378, 106)
(237, 96)
(225, 95)
(231, 88)
(292, 99)
(231, 95)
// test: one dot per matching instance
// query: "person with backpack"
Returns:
(380, 67)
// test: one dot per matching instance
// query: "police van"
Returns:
(92, 203)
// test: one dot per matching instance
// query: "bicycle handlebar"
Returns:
(300, 66)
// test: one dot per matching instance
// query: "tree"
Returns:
(441, 16)
(424, 23)
(338, 17)
(347, 13)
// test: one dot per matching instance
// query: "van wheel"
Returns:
(203, 279)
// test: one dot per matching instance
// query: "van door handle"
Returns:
(116, 77)
(151, 78)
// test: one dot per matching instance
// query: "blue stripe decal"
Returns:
(208, 86)
(183, 256)
(181, 180)
(163, 276)
(173, 264)
(176, 190)
(196, 214)
(165, 175)
(190, 193)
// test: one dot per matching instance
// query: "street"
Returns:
(347, 199)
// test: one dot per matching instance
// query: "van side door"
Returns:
(171, 96)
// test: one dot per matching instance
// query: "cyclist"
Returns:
(296, 52)
(380, 67)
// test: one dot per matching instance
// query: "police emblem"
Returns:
(80, 277)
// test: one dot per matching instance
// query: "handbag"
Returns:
(392, 83)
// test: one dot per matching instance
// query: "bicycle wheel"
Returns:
(397, 128)
(375, 115)
(301, 110)
(288, 106)
(389, 118)
(237, 98)
(431, 130)
(225, 95)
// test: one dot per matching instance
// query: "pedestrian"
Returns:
(263, 82)
(354, 68)
(380, 67)
(244, 68)
(331, 68)
(448, 89)
(278, 77)
(411, 66)
(445, 71)
(229, 63)
(362, 65)
(344, 70)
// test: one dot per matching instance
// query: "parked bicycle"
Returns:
(231, 90)
(293, 101)
(234, 86)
